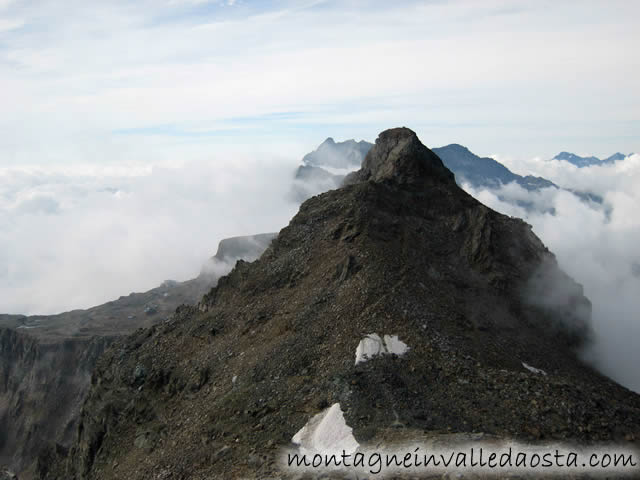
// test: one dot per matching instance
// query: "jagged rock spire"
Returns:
(398, 156)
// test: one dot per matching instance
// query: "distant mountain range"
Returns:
(324, 169)
(483, 171)
(582, 162)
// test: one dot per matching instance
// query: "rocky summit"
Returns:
(397, 305)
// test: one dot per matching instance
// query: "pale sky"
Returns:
(98, 82)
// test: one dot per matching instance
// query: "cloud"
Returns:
(597, 249)
(8, 24)
(79, 236)
(454, 71)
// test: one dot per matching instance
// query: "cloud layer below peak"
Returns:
(595, 244)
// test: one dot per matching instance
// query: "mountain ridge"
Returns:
(485, 171)
(220, 388)
(46, 361)
(582, 162)
(478, 172)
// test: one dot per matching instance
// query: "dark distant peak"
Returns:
(577, 160)
(564, 156)
(580, 162)
(615, 157)
(398, 156)
(457, 147)
(572, 156)
(329, 141)
(484, 172)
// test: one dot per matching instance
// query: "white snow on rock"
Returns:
(373, 345)
(327, 432)
(395, 345)
(369, 346)
(533, 369)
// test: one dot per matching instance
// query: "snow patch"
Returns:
(533, 369)
(373, 345)
(327, 432)
(395, 345)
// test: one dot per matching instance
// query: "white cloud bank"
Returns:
(77, 237)
(599, 250)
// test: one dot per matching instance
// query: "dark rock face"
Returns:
(400, 250)
(46, 361)
(399, 157)
(7, 475)
(41, 387)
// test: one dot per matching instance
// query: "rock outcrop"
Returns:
(41, 388)
(230, 250)
(46, 361)
(400, 158)
(219, 389)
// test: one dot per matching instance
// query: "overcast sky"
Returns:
(153, 80)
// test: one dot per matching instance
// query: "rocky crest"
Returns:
(230, 250)
(46, 361)
(489, 321)
(468, 168)
(398, 156)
